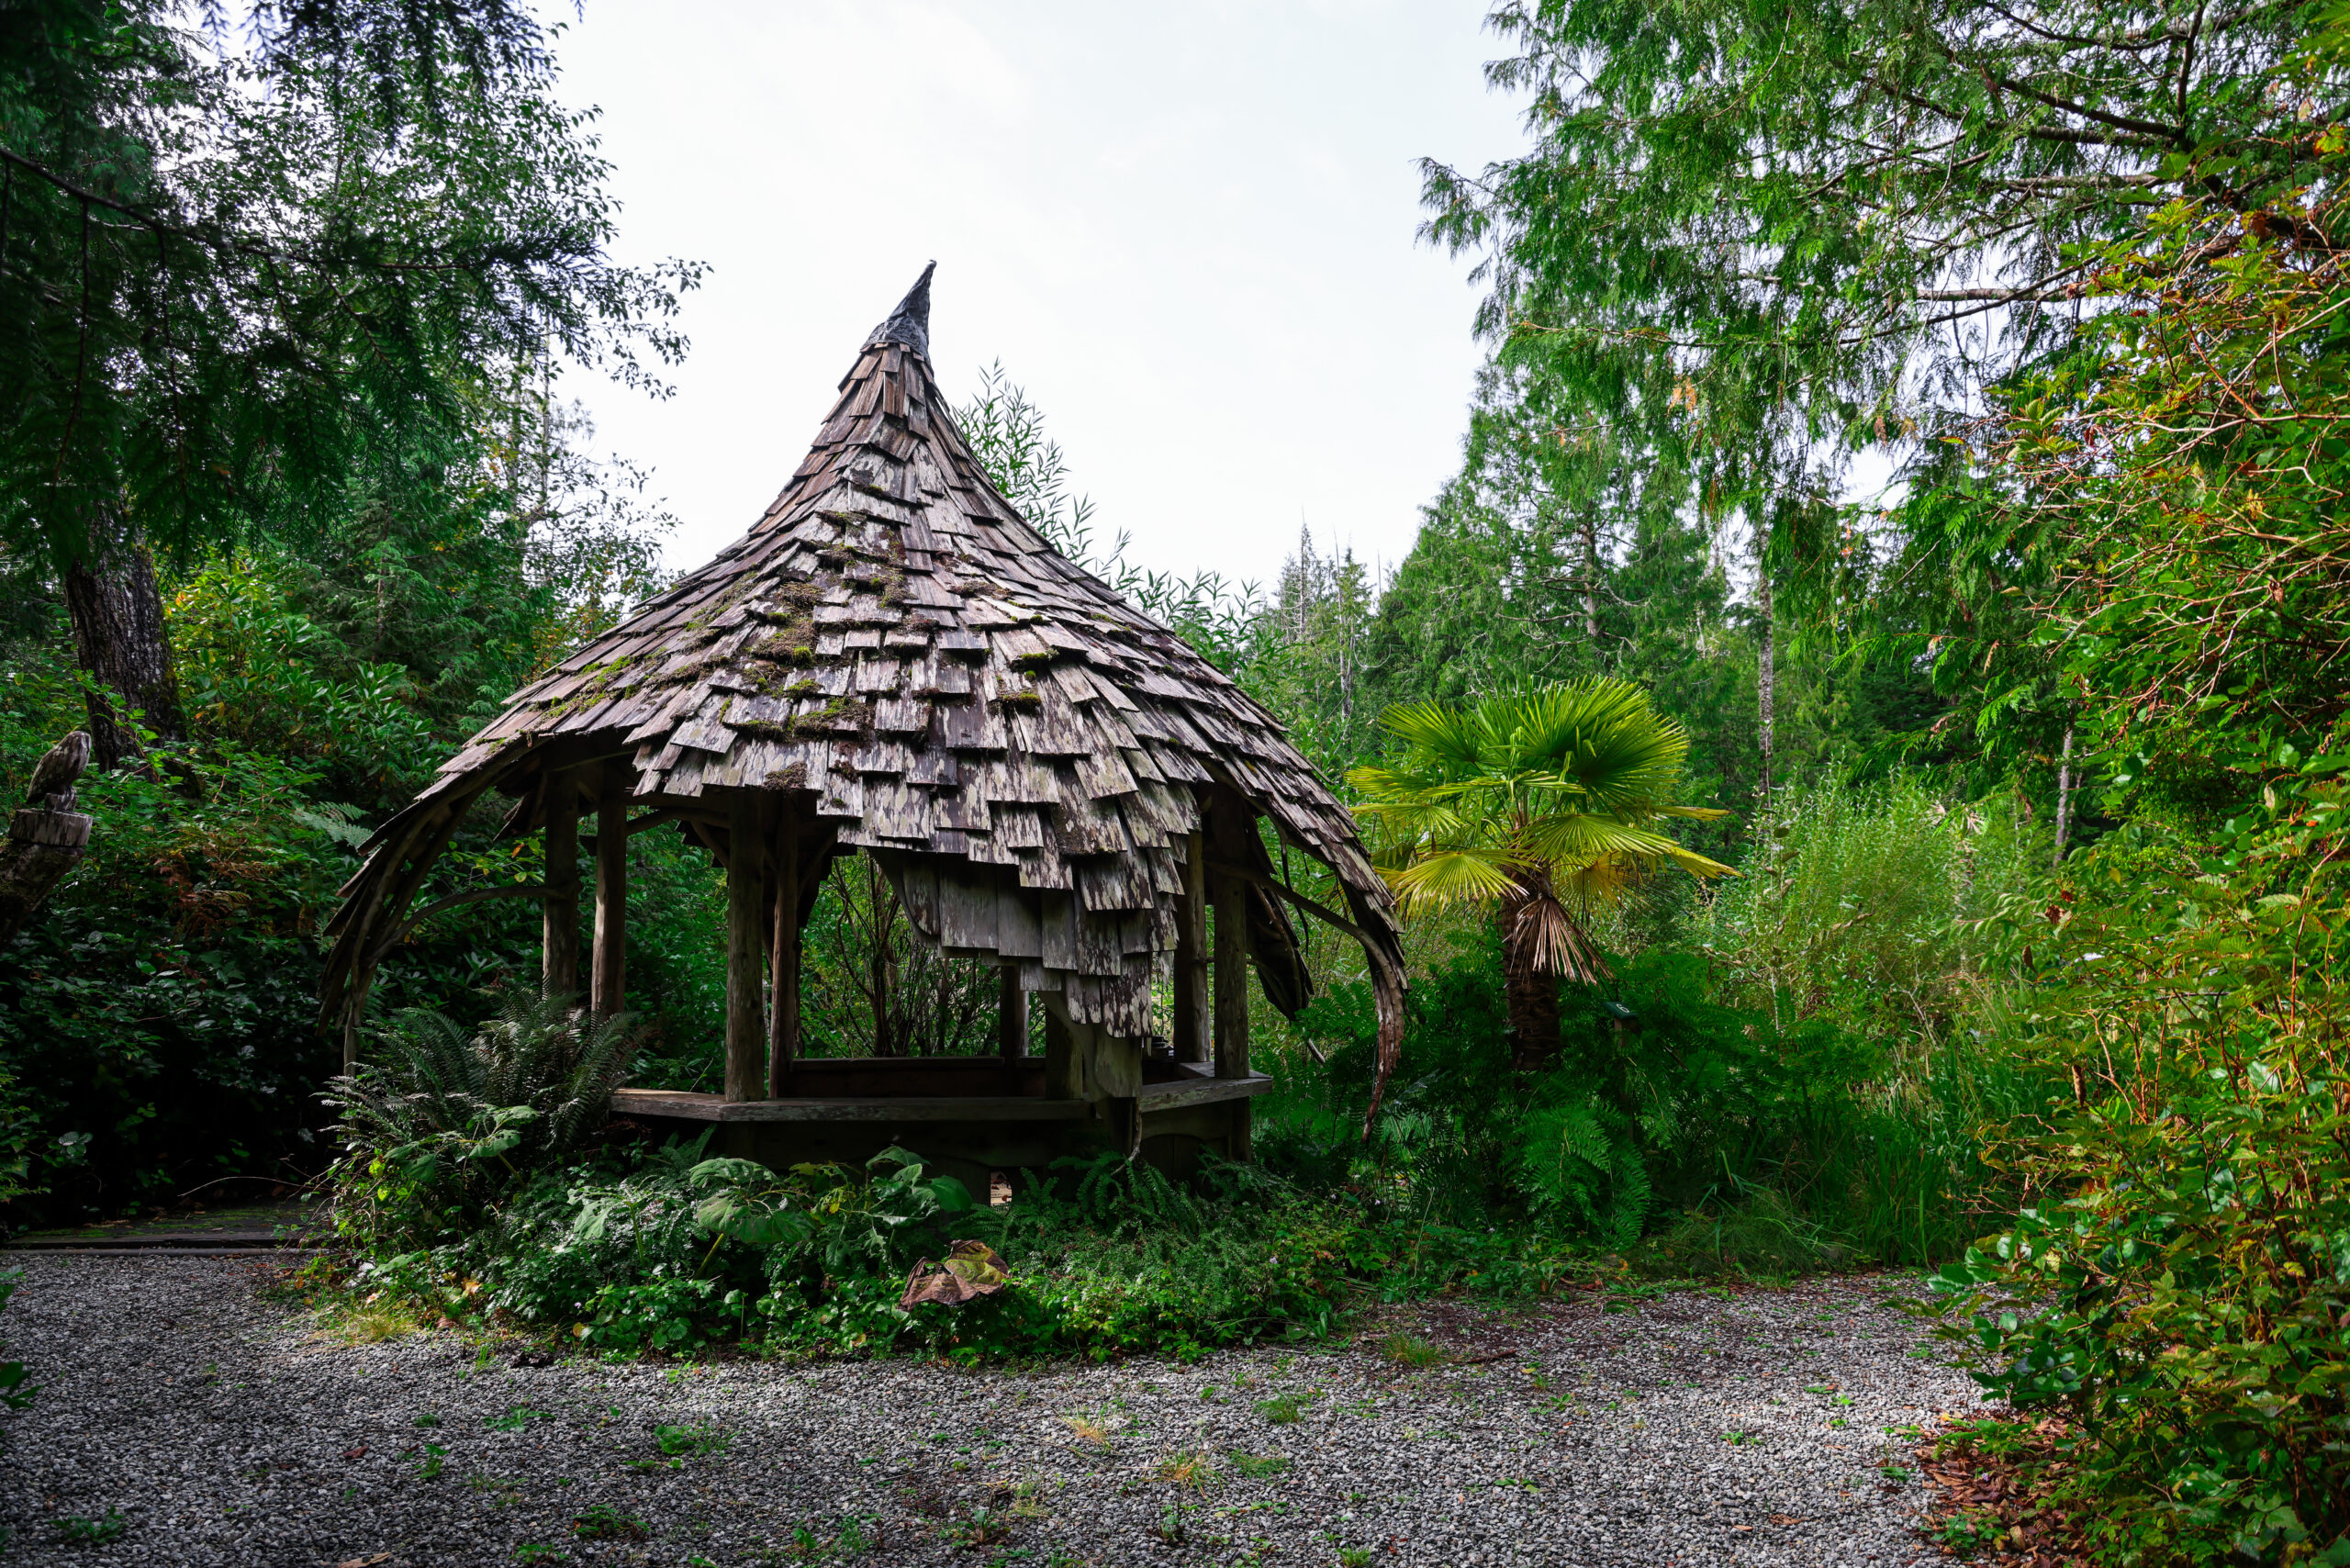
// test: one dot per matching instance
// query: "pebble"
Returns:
(222, 1428)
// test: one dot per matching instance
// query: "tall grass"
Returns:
(1865, 910)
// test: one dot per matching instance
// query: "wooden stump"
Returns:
(40, 848)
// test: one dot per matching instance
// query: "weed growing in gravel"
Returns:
(985, 1527)
(428, 1419)
(853, 1535)
(371, 1323)
(604, 1522)
(1192, 1470)
(1354, 1557)
(517, 1416)
(1088, 1431)
(533, 1551)
(680, 1442)
(1281, 1410)
(429, 1464)
(93, 1532)
(1404, 1350)
(1255, 1467)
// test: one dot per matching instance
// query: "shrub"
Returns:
(2181, 1276)
(445, 1122)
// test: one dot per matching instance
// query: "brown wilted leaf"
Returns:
(971, 1270)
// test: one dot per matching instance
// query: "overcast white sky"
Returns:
(1186, 228)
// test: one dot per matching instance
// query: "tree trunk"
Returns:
(1766, 672)
(1531, 994)
(118, 634)
(1591, 578)
(2063, 798)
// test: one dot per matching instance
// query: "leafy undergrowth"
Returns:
(482, 1185)
(2004, 1491)
(675, 1254)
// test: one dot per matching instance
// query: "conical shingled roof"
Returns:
(1021, 749)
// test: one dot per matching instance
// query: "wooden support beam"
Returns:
(609, 986)
(783, 955)
(747, 1030)
(1064, 1073)
(1230, 896)
(559, 967)
(1192, 1031)
(1122, 1114)
(1229, 820)
(1012, 1014)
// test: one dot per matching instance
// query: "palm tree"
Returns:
(1537, 803)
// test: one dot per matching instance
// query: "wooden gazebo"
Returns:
(892, 661)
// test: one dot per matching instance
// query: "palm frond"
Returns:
(1563, 776)
(1560, 946)
(1442, 735)
(1584, 838)
(1444, 877)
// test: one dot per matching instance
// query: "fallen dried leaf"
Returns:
(971, 1270)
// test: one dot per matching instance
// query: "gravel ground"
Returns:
(1694, 1428)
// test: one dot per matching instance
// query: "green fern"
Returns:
(440, 1121)
(1583, 1170)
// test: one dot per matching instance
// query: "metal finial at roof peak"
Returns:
(910, 322)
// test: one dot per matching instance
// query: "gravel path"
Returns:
(1694, 1428)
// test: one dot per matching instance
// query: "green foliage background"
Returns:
(2031, 764)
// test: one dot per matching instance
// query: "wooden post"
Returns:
(1232, 964)
(1064, 1074)
(610, 971)
(1191, 1032)
(783, 957)
(1012, 1014)
(559, 969)
(746, 1032)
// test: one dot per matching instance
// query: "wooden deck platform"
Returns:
(954, 1110)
